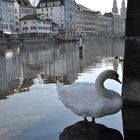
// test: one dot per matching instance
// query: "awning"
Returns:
(6, 32)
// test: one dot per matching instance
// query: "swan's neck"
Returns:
(99, 83)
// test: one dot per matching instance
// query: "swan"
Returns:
(91, 100)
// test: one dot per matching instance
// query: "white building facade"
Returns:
(20, 12)
(79, 27)
(86, 20)
(7, 17)
(70, 18)
(117, 24)
(32, 25)
(61, 12)
(17, 18)
(104, 26)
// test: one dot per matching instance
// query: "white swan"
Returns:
(91, 100)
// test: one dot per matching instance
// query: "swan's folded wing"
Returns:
(81, 84)
(79, 95)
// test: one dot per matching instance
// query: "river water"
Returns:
(31, 112)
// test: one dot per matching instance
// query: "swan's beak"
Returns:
(118, 80)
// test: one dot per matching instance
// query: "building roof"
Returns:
(34, 16)
(55, 24)
(88, 10)
(110, 14)
(29, 17)
(83, 7)
(45, 1)
(98, 13)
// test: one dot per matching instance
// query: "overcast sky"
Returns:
(100, 5)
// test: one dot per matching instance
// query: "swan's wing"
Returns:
(78, 91)
(79, 97)
(81, 84)
(75, 88)
(83, 99)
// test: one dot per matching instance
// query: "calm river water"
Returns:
(36, 113)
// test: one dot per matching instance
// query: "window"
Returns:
(33, 28)
(11, 27)
(49, 3)
(17, 29)
(16, 17)
(25, 28)
(56, 3)
(42, 4)
(1, 26)
(61, 25)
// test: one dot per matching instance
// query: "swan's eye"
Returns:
(116, 75)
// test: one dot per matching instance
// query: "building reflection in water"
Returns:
(21, 63)
(9, 70)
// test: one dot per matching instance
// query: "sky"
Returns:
(100, 5)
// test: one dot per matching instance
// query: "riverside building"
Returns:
(7, 17)
(36, 25)
(61, 12)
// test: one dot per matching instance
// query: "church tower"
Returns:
(123, 9)
(115, 8)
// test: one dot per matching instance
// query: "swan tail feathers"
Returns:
(60, 87)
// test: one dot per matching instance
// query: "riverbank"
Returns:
(28, 40)
(4, 41)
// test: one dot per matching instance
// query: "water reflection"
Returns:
(21, 63)
(9, 70)
(89, 131)
(38, 113)
(38, 83)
